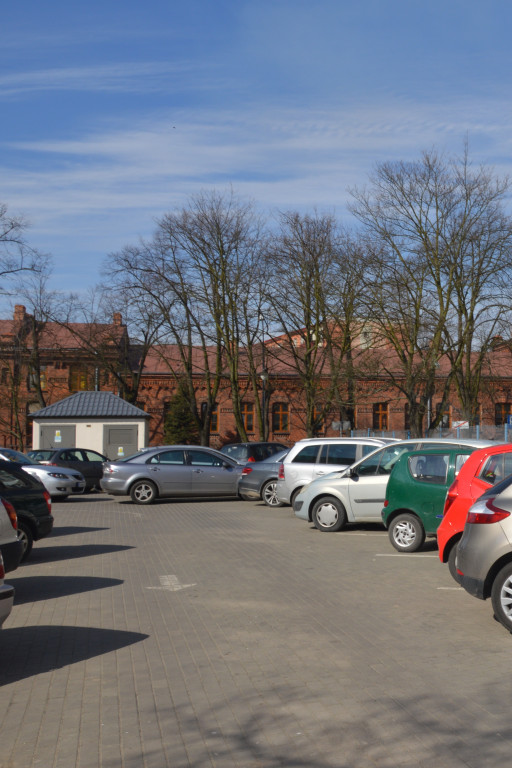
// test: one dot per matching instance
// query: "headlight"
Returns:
(59, 475)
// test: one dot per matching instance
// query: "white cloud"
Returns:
(92, 195)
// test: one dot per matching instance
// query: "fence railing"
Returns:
(501, 434)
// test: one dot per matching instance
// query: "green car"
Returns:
(416, 492)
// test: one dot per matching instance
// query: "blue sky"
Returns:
(114, 113)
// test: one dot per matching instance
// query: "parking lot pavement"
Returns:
(229, 634)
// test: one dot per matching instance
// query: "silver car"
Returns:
(314, 457)
(60, 482)
(6, 595)
(172, 470)
(358, 493)
(259, 479)
(484, 553)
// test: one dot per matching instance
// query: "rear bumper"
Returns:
(11, 554)
(43, 527)
(6, 601)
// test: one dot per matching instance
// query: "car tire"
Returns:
(143, 492)
(406, 533)
(501, 596)
(452, 556)
(26, 538)
(329, 514)
(268, 494)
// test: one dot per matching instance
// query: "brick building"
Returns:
(42, 363)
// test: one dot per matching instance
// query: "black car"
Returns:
(89, 463)
(31, 501)
(244, 452)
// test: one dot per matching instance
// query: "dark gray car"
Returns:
(172, 470)
(259, 480)
(484, 553)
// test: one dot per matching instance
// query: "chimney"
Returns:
(117, 318)
(19, 314)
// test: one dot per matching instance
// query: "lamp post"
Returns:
(264, 379)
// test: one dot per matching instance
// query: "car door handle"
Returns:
(154, 469)
(198, 471)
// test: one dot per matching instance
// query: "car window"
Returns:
(203, 459)
(260, 452)
(238, 452)
(168, 457)
(429, 468)
(496, 468)
(40, 455)
(307, 455)
(8, 480)
(17, 456)
(383, 461)
(460, 460)
(368, 449)
(339, 454)
(93, 456)
(69, 455)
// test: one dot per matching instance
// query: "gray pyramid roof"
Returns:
(89, 405)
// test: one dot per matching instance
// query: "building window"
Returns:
(501, 412)
(78, 379)
(214, 416)
(380, 416)
(248, 416)
(407, 418)
(318, 421)
(280, 419)
(446, 421)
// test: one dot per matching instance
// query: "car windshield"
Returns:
(20, 458)
(40, 455)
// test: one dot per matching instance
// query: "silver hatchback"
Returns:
(172, 470)
(484, 553)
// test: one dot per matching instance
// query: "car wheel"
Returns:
(269, 495)
(501, 596)
(329, 514)
(451, 563)
(26, 538)
(143, 492)
(406, 533)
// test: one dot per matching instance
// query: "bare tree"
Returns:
(312, 301)
(423, 224)
(15, 254)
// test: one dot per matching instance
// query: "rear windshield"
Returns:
(429, 468)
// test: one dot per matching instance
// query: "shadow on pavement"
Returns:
(30, 589)
(177, 500)
(65, 552)
(28, 651)
(67, 530)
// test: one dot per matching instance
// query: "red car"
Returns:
(483, 469)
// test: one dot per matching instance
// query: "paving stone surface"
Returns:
(224, 634)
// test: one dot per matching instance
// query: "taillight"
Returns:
(251, 458)
(246, 470)
(386, 502)
(48, 500)
(486, 514)
(13, 517)
(280, 474)
(450, 498)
